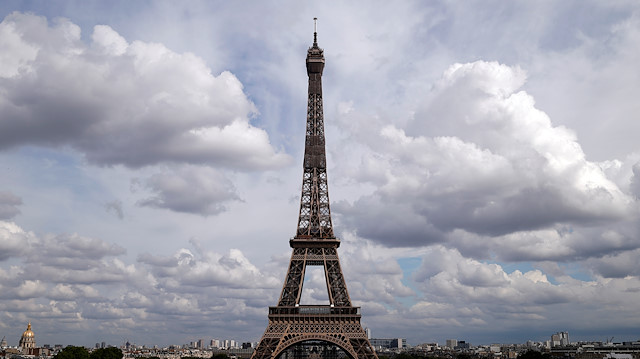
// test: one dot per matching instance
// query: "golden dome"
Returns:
(28, 333)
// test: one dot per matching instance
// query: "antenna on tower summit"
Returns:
(315, 31)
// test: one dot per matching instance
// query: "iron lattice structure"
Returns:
(314, 245)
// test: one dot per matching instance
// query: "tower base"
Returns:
(293, 325)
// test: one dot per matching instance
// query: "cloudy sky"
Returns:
(484, 167)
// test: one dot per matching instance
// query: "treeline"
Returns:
(530, 354)
(71, 352)
(214, 356)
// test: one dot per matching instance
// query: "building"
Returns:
(428, 346)
(28, 339)
(560, 339)
(388, 343)
(451, 343)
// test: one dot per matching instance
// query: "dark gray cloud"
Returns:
(635, 181)
(198, 190)
(618, 265)
(9, 204)
(157, 261)
(115, 207)
(71, 247)
(389, 222)
(135, 104)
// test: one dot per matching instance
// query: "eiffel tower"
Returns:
(292, 324)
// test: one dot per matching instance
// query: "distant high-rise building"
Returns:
(560, 339)
(451, 343)
(368, 331)
(3, 343)
(103, 345)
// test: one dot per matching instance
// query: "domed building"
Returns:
(28, 339)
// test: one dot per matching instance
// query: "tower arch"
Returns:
(311, 339)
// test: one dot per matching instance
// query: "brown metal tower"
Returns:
(314, 245)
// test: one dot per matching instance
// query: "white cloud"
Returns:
(190, 285)
(470, 292)
(372, 274)
(496, 166)
(16, 54)
(208, 269)
(30, 289)
(62, 292)
(13, 240)
(135, 104)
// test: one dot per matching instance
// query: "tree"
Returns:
(403, 356)
(106, 353)
(533, 354)
(71, 352)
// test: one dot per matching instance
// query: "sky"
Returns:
(483, 166)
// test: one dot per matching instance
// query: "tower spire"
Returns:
(315, 32)
(314, 221)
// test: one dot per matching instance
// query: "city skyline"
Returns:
(558, 339)
(482, 164)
